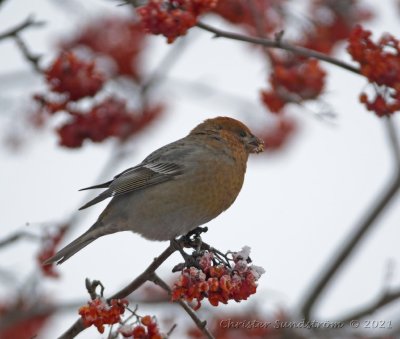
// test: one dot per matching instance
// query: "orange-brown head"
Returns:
(231, 129)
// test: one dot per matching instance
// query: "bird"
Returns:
(175, 189)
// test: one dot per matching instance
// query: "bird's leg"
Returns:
(196, 233)
(189, 260)
(193, 239)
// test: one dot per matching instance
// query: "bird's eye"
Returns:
(242, 133)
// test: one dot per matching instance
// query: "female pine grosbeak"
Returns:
(175, 189)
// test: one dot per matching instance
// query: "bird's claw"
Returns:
(193, 238)
(190, 260)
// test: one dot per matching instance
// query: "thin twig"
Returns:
(171, 330)
(385, 299)
(17, 236)
(280, 44)
(394, 139)
(202, 325)
(33, 59)
(12, 32)
(354, 239)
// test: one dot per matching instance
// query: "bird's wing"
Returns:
(144, 175)
(108, 183)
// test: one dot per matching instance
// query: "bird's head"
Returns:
(231, 129)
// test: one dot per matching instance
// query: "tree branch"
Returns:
(17, 236)
(12, 32)
(355, 238)
(385, 299)
(202, 325)
(78, 326)
(278, 43)
(33, 59)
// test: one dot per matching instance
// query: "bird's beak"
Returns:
(256, 144)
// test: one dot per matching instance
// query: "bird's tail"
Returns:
(75, 246)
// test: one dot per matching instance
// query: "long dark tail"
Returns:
(96, 231)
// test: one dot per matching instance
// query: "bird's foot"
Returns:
(193, 238)
(190, 260)
(196, 232)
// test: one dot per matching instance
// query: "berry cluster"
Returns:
(255, 17)
(109, 118)
(293, 81)
(147, 329)
(380, 64)
(333, 20)
(98, 312)
(27, 326)
(74, 77)
(172, 18)
(118, 40)
(218, 281)
(49, 248)
(277, 135)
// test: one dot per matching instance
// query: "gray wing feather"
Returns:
(138, 177)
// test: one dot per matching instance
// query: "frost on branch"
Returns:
(217, 280)
(380, 64)
(98, 313)
(145, 328)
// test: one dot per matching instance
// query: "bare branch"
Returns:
(354, 239)
(33, 59)
(385, 299)
(171, 330)
(202, 325)
(17, 236)
(12, 32)
(394, 140)
(280, 44)
(78, 326)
